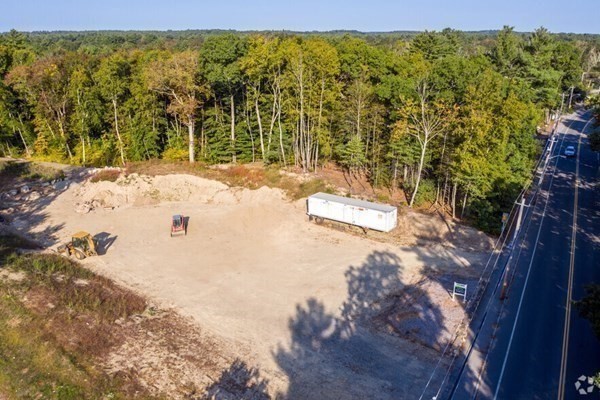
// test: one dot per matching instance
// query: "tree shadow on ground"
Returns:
(368, 350)
(24, 197)
(238, 382)
(385, 342)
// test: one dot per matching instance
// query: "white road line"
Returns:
(528, 273)
(567, 326)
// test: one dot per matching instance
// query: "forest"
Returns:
(447, 117)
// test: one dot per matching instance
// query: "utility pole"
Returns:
(547, 158)
(519, 218)
(515, 233)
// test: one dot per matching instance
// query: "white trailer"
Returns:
(380, 217)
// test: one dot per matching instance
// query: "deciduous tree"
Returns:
(177, 77)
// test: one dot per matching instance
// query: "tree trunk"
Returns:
(464, 204)
(233, 155)
(27, 151)
(421, 161)
(82, 149)
(24, 142)
(454, 189)
(260, 128)
(191, 148)
(202, 134)
(247, 115)
(117, 131)
(82, 137)
(302, 129)
(281, 133)
(316, 157)
(50, 129)
(445, 191)
(395, 175)
(64, 137)
(273, 117)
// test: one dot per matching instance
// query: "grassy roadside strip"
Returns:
(57, 320)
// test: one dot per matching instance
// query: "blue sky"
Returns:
(579, 16)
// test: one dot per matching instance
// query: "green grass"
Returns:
(30, 365)
(56, 323)
(312, 186)
(10, 242)
(29, 170)
(77, 288)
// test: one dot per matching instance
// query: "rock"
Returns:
(34, 196)
(19, 224)
(44, 184)
(25, 189)
(60, 185)
(83, 208)
(12, 192)
(8, 210)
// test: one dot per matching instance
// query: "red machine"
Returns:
(178, 225)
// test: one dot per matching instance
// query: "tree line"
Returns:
(447, 117)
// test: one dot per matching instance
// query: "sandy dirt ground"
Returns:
(320, 313)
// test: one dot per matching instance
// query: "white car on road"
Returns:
(570, 151)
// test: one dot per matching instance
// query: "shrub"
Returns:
(312, 186)
(426, 193)
(175, 154)
(110, 175)
(589, 307)
(383, 198)
(272, 157)
(239, 175)
(485, 216)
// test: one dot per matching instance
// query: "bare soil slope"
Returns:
(310, 307)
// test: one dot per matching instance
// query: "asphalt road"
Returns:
(534, 345)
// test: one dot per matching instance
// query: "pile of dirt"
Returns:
(141, 190)
(419, 228)
(422, 229)
(425, 312)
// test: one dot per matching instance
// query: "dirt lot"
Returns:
(316, 312)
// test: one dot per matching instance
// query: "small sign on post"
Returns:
(460, 289)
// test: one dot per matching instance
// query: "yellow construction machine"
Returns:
(82, 245)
